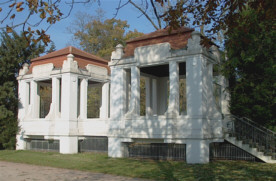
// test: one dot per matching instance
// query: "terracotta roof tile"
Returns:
(57, 58)
(161, 32)
(70, 50)
(177, 38)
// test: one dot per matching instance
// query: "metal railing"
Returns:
(228, 151)
(43, 145)
(253, 134)
(93, 144)
(158, 151)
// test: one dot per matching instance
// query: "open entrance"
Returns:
(154, 90)
(94, 99)
(45, 94)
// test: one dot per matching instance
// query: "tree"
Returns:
(251, 67)
(52, 48)
(100, 37)
(14, 52)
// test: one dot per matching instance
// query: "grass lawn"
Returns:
(151, 169)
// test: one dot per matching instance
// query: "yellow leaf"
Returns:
(8, 29)
(12, 5)
(42, 15)
(0, 9)
(19, 4)
(12, 16)
(19, 9)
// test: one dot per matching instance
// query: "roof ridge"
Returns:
(161, 32)
(69, 50)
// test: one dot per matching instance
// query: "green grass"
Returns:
(158, 170)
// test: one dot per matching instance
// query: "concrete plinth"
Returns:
(197, 151)
(115, 149)
(68, 144)
(20, 142)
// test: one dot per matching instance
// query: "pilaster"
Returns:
(83, 98)
(69, 97)
(173, 107)
(117, 98)
(105, 97)
(148, 97)
(35, 102)
(23, 96)
(154, 97)
(55, 105)
(194, 83)
(134, 108)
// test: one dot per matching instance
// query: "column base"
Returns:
(197, 151)
(20, 142)
(115, 148)
(68, 144)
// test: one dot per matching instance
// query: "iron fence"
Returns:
(43, 145)
(253, 134)
(228, 151)
(93, 144)
(159, 151)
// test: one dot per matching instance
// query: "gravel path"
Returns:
(23, 172)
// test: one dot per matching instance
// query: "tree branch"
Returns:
(146, 15)
(156, 14)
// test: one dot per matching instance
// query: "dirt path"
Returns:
(23, 172)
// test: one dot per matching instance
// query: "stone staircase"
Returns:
(251, 137)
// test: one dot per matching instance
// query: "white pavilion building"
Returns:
(174, 109)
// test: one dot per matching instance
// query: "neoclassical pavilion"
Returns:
(174, 105)
(180, 107)
(67, 74)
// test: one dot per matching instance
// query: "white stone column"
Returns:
(154, 96)
(69, 95)
(56, 95)
(225, 96)
(35, 99)
(194, 83)
(105, 101)
(69, 106)
(173, 108)
(148, 97)
(54, 109)
(197, 151)
(83, 98)
(212, 106)
(127, 88)
(23, 95)
(117, 98)
(135, 92)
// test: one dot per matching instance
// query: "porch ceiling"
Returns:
(162, 70)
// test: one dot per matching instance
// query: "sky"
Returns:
(62, 38)
(59, 33)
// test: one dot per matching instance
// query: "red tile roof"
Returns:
(57, 58)
(70, 50)
(177, 38)
(162, 32)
